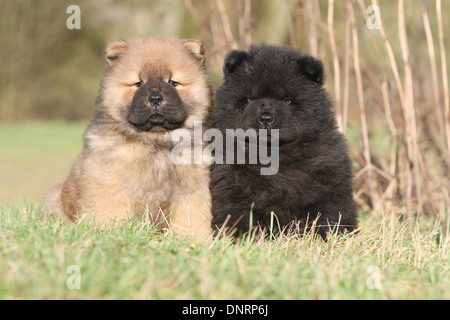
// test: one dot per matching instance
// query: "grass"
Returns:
(407, 258)
(34, 156)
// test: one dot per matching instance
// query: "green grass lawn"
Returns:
(390, 258)
(36, 156)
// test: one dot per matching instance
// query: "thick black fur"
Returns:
(314, 178)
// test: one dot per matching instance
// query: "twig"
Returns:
(310, 20)
(291, 25)
(337, 75)
(428, 190)
(403, 105)
(444, 76)
(434, 76)
(245, 31)
(197, 18)
(410, 114)
(394, 133)
(367, 155)
(226, 24)
(346, 69)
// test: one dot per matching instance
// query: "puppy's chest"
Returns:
(286, 186)
(150, 171)
(138, 170)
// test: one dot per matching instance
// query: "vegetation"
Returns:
(391, 92)
(405, 258)
(34, 157)
(389, 82)
(390, 258)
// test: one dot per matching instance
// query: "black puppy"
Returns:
(279, 89)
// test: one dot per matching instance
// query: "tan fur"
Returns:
(121, 172)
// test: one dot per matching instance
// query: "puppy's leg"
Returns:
(52, 205)
(193, 216)
(104, 203)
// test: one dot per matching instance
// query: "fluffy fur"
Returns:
(271, 87)
(151, 88)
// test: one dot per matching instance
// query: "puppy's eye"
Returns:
(286, 101)
(173, 83)
(139, 84)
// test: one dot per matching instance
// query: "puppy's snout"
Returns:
(155, 99)
(266, 119)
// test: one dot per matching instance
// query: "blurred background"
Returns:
(388, 79)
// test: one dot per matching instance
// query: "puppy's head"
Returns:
(271, 87)
(155, 85)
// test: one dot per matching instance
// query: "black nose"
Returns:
(155, 99)
(266, 119)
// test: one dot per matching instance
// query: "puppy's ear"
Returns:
(233, 59)
(197, 48)
(312, 68)
(114, 51)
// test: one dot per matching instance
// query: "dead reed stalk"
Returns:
(310, 21)
(392, 129)
(291, 25)
(346, 69)
(434, 75)
(226, 26)
(337, 74)
(362, 109)
(245, 28)
(444, 76)
(410, 114)
(401, 93)
(409, 94)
